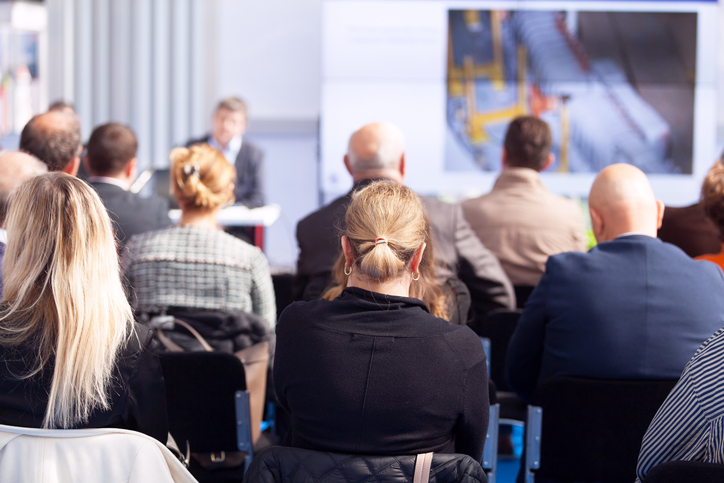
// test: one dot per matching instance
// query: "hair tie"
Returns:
(380, 239)
(191, 169)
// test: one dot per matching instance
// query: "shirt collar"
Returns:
(232, 149)
(632, 233)
(108, 180)
(514, 175)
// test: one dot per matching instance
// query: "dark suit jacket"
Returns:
(458, 252)
(691, 230)
(631, 308)
(249, 186)
(130, 213)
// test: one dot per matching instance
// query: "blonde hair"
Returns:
(389, 210)
(201, 176)
(712, 195)
(63, 293)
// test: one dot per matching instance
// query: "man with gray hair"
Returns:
(15, 167)
(377, 151)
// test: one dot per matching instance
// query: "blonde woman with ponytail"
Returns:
(372, 371)
(72, 355)
(195, 266)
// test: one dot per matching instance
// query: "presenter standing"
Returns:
(229, 126)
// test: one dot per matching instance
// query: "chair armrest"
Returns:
(490, 451)
(533, 427)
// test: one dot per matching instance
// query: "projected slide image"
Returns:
(614, 87)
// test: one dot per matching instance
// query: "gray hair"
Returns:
(389, 151)
(16, 167)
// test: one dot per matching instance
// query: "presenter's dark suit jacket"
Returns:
(691, 230)
(130, 213)
(458, 253)
(249, 186)
(631, 308)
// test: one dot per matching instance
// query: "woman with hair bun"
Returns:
(72, 355)
(195, 265)
(372, 371)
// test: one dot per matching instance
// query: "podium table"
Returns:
(241, 216)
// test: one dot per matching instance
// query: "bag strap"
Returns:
(423, 462)
(173, 347)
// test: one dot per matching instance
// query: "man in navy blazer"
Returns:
(633, 307)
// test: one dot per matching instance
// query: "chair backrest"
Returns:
(686, 471)
(498, 327)
(592, 428)
(29, 455)
(201, 392)
(278, 464)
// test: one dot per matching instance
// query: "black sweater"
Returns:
(137, 394)
(369, 373)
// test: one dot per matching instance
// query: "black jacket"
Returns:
(137, 395)
(130, 213)
(368, 373)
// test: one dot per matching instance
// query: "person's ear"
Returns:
(86, 165)
(551, 159)
(402, 168)
(72, 167)
(131, 168)
(347, 251)
(417, 259)
(347, 165)
(504, 159)
(597, 224)
(659, 213)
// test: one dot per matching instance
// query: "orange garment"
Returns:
(714, 258)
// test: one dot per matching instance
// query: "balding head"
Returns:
(54, 138)
(622, 201)
(376, 150)
(15, 167)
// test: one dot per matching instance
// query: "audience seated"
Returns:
(54, 138)
(229, 127)
(372, 371)
(712, 199)
(111, 163)
(376, 151)
(520, 221)
(195, 265)
(72, 355)
(633, 307)
(689, 426)
(15, 167)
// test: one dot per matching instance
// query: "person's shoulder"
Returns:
(325, 215)
(465, 343)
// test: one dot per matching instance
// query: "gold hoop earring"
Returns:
(348, 271)
(416, 278)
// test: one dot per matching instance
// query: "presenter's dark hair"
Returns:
(110, 148)
(528, 143)
(712, 195)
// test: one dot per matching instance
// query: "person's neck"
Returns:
(378, 174)
(398, 286)
(199, 218)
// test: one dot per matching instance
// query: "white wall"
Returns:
(269, 52)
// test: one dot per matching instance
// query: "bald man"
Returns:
(633, 307)
(15, 167)
(377, 151)
(54, 138)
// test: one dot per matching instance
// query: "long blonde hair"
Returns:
(390, 210)
(62, 293)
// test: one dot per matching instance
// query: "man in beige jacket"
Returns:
(520, 221)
